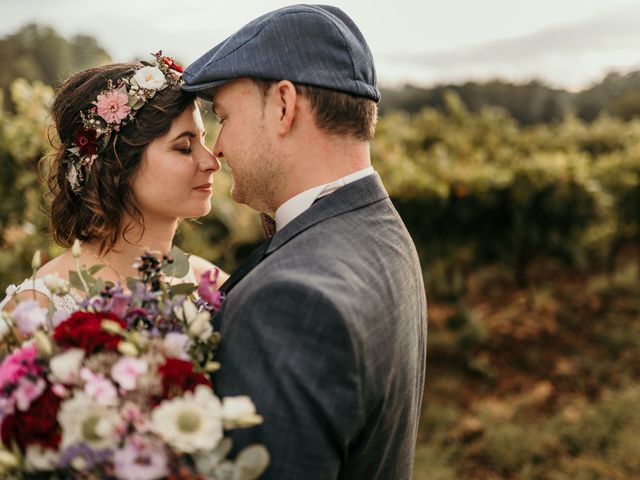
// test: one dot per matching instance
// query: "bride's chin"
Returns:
(199, 212)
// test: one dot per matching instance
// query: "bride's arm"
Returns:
(26, 294)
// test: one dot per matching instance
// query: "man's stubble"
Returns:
(256, 183)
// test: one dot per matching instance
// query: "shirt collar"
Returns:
(302, 201)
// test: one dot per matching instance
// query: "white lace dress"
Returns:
(68, 302)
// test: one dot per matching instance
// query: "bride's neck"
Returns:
(157, 237)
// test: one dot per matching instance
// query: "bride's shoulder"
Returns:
(60, 266)
(29, 289)
(200, 266)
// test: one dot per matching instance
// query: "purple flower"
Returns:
(81, 453)
(119, 303)
(29, 316)
(208, 289)
(136, 314)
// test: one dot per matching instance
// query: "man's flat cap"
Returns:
(315, 45)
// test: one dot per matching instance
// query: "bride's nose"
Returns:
(209, 161)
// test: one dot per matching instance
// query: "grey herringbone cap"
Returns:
(308, 44)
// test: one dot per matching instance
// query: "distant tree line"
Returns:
(530, 103)
(38, 52)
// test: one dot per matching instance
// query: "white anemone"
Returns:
(190, 423)
(85, 421)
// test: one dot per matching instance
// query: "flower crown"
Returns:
(114, 108)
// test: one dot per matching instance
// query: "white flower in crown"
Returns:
(150, 78)
(72, 176)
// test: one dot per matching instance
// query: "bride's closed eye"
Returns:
(185, 149)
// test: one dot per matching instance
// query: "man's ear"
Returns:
(285, 99)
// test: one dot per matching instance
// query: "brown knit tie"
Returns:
(268, 225)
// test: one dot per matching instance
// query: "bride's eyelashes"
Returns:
(184, 149)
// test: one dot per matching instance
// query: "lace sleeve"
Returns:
(67, 303)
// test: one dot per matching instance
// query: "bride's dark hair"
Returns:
(98, 211)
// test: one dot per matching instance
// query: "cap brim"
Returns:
(204, 90)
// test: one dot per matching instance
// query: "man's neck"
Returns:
(326, 165)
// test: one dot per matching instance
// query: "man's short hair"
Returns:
(336, 112)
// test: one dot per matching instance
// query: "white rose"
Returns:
(201, 326)
(65, 367)
(236, 409)
(176, 345)
(38, 458)
(150, 78)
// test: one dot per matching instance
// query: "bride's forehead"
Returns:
(190, 119)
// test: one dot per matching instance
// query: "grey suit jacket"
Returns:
(327, 334)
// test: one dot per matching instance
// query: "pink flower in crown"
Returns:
(113, 106)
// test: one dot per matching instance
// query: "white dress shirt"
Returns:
(302, 201)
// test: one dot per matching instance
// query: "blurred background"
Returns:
(509, 141)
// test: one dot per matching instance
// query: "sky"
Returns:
(566, 43)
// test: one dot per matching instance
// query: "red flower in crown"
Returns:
(173, 65)
(85, 140)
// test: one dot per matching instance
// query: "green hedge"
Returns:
(473, 189)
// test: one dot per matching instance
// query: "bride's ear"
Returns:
(286, 99)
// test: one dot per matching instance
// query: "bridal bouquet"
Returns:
(119, 388)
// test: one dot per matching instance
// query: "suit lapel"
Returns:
(249, 264)
(351, 197)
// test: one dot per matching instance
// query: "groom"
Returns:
(324, 326)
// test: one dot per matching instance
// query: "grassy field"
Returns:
(543, 384)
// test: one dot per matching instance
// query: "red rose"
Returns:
(178, 377)
(84, 330)
(85, 140)
(38, 425)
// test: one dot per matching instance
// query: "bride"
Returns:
(130, 165)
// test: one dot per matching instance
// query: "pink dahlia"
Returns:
(20, 363)
(113, 106)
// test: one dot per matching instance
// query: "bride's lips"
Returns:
(205, 187)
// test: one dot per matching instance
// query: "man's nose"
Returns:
(217, 148)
